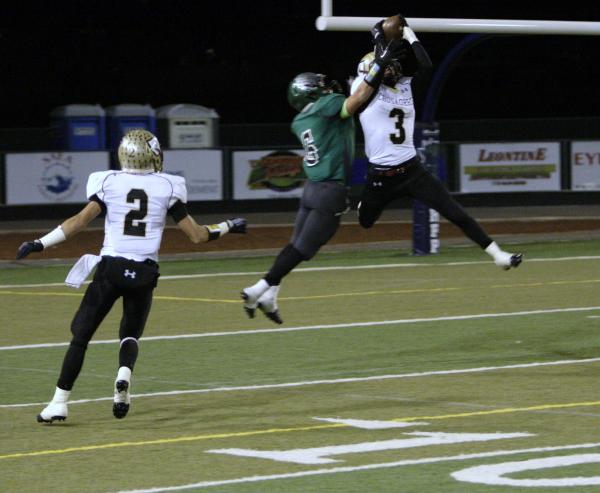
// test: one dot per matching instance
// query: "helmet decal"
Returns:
(140, 152)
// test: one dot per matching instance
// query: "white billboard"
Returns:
(585, 165)
(268, 174)
(202, 170)
(510, 167)
(51, 178)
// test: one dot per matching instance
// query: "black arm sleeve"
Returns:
(178, 211)
(424, 65)
(95, 198)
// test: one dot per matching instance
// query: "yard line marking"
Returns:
(80, 295)
(321, 269)
(335, 381)
(320, 327)
(326, 296)
(344, 469)
(195, 438)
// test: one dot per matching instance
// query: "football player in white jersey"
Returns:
(394, 168)
(136, 200)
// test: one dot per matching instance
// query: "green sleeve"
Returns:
(344, 112)
(332, 105)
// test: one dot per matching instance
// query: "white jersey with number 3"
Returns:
(388, 123)
(136, 210)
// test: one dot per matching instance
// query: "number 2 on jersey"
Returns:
(398, 115)
(138, 214)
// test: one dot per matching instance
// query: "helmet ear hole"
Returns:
(140, 152)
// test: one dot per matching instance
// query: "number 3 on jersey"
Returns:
(138, 229)
(311, 157)
(400, 136)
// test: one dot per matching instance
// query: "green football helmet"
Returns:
(306, 88)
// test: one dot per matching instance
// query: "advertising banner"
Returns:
(51, 178)
(268, 174)
(510, 167)
(202, 170)
(585, 165)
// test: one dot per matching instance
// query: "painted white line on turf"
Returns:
(367, 467)
(321, 327)
(335, 381)
(320, 269)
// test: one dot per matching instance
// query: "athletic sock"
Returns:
(61, 395)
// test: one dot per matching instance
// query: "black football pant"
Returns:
(318, 218)
(319, 215)
(418, 183)
(97, 301)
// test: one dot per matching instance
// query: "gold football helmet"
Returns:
(365, 63)
(140, 152)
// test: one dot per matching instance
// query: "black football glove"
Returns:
(237, 225)
(402, 19)
(383, 56)
(29, 246)
(377, 34)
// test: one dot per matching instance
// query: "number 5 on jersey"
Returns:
(312, 152)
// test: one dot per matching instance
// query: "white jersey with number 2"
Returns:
(136, 210)
(388, 123)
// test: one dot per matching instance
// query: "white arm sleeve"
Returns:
(94, 184)
(355, 83)
(179, 189)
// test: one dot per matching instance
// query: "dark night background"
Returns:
(238, 57)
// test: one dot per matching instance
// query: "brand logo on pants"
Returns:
(129, 273)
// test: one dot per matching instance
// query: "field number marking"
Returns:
(320, 455)
(494, 474)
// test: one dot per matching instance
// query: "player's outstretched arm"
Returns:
(201, 234)
(68, 228)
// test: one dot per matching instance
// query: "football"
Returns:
(392, 28)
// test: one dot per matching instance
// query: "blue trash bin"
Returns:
(124, 117)
(79, 127)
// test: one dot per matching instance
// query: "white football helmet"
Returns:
(140, 152)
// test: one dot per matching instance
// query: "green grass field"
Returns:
(391, 373)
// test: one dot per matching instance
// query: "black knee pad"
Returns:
(308, 251)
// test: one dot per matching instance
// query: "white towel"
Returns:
(82, 268)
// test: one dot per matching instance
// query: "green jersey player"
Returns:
(326, 130)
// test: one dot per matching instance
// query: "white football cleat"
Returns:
(121, 399)
(55, 411)
(267, 303)
(508, 260)
(251, 294)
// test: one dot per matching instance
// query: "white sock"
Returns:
(258, 289)
(124, 373)
(493, 249)
(61, 395)
(271, 293)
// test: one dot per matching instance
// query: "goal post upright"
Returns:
(425, 221)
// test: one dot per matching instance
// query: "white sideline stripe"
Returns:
(383, 465)
(319, 269)
(327, 382)
(319, 327)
